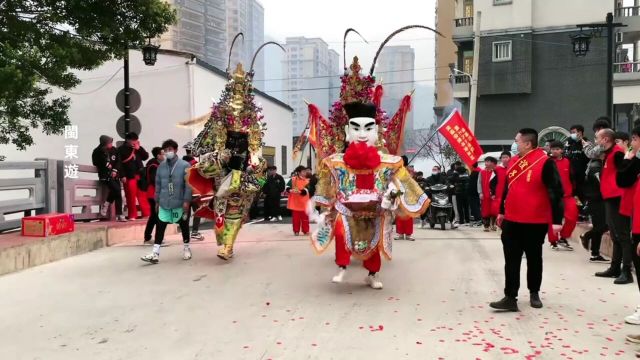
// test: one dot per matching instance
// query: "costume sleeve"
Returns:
(551, 179)
(213, 164)
(325, 190)
(413, 202)
(627, 173)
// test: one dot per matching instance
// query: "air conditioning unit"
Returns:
(619, 37)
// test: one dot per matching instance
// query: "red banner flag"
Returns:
(461, 139)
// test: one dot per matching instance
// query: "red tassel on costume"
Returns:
(360, 156)
(205, 212)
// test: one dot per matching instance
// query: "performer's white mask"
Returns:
(362, 129)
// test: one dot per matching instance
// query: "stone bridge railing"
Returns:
(39, 187)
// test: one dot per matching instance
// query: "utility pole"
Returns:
(127, 107)
(474, 78)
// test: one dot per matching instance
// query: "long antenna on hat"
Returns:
(261, 47)
(231, 49)
(375, 59)
(344, 45)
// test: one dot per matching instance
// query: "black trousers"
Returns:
(152, 221)
(519, 238)
(474, 206)
(161, 227)
(195, 227)
(115, 193)
(272, 207)
(599, 222)
(634, 256)
(620, 230)
(462, 202)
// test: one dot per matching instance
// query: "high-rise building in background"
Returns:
(310, 72)
(395, 69)
(206, 29)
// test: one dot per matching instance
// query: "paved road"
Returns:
(275, 301)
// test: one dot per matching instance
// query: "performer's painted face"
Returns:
(362, 129)
(237, 142)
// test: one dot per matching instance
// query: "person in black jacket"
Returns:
(460, 181)
(474, 196)
(151, 169)
(131, 156)
(272, 191)
(105, 158)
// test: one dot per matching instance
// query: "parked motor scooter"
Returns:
(441, 209)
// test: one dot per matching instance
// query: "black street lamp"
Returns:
(150, 56)
(581, 43)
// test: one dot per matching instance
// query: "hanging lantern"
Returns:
(150, 53)
(581, 43)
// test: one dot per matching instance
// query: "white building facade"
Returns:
(179, 87)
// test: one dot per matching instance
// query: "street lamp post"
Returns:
(472, 99)
(581, 43)
(150, 56)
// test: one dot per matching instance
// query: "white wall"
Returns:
(164, 92)
(516, 15)
(550, 13)
(540, 14)
(168, 97)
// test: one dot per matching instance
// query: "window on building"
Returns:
(501, 51)
(502, 2)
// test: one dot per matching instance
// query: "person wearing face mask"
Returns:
(619, 224)
(531, 200)
(592, 239)
(105, 158)
(151, 170)
(436, 176)
(173, 200)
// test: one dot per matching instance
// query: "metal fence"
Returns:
(48, 191)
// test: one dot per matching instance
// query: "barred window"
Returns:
(501, 51)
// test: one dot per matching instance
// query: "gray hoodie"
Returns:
(175, 169)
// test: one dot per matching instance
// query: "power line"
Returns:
(98, 88)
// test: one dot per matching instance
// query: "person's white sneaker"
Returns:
(373, 282)
(635, 318)
(121, 218)
(273, 219)
(340, 276)
(104, 209)
(186, 254)
(152, 258)
(279, 218)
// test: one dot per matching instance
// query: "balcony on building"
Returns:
(461, 87)
(463, 29)
(630, 16)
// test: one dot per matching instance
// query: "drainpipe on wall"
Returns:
(474, 79)
(192, 114)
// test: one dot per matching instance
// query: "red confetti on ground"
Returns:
(418, 343)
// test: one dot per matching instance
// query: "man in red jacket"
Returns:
(532, 200)
(570, 208)
(131, 156)
(490, 188)
(619, 225)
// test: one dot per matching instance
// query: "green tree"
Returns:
(42, 41)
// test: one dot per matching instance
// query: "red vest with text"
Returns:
(527, 199)
(564, 169)
(635, 216)
(608, 186)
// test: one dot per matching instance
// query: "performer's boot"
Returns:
(340, 276)
(373, 281)
(225, 252)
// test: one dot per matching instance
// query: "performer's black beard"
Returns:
(238, 144)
